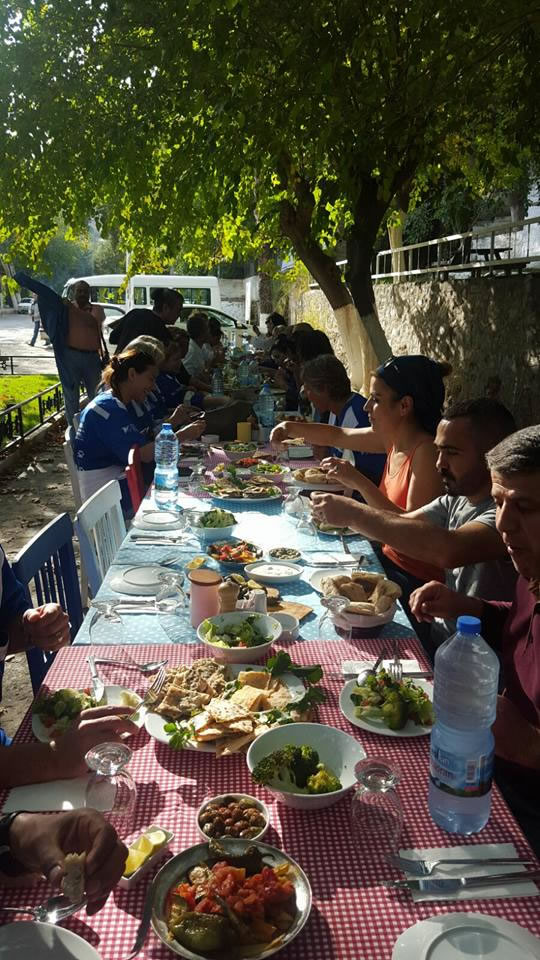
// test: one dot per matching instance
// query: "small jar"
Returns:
(258, 598)
(204, 595)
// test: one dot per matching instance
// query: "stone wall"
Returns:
(488, 328)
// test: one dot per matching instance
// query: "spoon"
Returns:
(54, 910)
(368, 671)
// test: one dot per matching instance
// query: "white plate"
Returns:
(274, 571)
(216, 496)
(324, 487)
(336, 532)
(154, 723)
(140, 580)
(317, 576)
(157, 520)
(112, 697)
(410, 729)
(453, 935)
(41, 941)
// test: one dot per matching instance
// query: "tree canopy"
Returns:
(228, 126)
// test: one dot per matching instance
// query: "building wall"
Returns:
(488, 328)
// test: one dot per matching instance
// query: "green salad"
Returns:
(243, 633)
(264, 468)
(380, 698)
(217, 518)
(58, 710)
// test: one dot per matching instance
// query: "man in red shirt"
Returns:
(513, 629)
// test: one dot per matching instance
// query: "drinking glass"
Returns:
(171, 599)
(111, 788)
(331, 625)
(106, 624)
(377, 817)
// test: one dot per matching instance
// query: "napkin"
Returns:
(55, 795)
(335, 559)
(355, 666)
(525, 889)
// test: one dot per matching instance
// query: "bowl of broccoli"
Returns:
(239, 637)
(306, 765)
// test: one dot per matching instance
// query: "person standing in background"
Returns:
(36, 319)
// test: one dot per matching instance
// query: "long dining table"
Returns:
(354, 916)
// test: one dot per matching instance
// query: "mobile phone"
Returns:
(197, 416)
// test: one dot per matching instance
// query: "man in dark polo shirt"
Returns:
(512, 628)
(149, 323)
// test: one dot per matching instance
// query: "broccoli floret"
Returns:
(323, 782)
(291, 765)
(395, 712)
(304, 765)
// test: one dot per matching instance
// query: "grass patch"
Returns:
(16, 389)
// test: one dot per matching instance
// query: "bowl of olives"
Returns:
(233, 815)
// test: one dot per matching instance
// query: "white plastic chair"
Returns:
(100, 528)
(67, 446)
(76, 421)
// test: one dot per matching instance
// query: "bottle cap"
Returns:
(166, 426)
(468, 625)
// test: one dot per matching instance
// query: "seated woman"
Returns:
(328, 389)
(109, 425)
(404, 408)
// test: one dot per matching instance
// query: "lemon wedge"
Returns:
(195, 563)
(128, 699)
(142, 845)
(156, 837)
(135, 859)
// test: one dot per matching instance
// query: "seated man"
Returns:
(328, 388)
(149, 323)
(195, 360)
(456, 531)
(511, 628)
(46, 627)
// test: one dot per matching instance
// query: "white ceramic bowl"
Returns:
(290, 624)
(338, 750)
(234, 455)
(210, 439)
(219, 800)
(365, 622)
(211, 534)
(268, 625)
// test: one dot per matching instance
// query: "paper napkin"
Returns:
(525, 889)
(355, 666)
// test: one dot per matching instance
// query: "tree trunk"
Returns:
(395, 236)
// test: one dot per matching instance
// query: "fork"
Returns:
(54, 910)
(424, 868)
(345, 545)
(395, 667)
(151, 694)
(149, 667)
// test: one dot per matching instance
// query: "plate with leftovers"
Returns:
(392, 709)
(53, 713)
(329, 530)
(265, 468)
(220, 708)
(196, 910)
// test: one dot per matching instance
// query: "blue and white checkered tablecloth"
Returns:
(268, 526)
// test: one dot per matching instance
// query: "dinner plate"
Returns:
(410, 729)
(157, 520)
(177, 867)
(41, 941)
(323, 487)
(337, 532)
(450, 936)
(140, 580)
(274, 571)
(316, 578)
(216, 496)
(155, 723)
(112, 697)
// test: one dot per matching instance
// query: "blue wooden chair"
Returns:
(47, 570)
(100, 527)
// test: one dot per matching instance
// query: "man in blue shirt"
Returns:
(328, 388)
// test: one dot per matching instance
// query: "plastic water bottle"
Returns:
(465, 702)
(243, 373)
(265, 409)
(217, 383)
(166, 472)
(254, 378)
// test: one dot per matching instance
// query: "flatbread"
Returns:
(233, 744)
(247, 698)
(73, 881)
(226, 711)
(255, 678)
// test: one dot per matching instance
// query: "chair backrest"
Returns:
(134, 477)
(76, 421)
(46, 568)
(67, 447)
(100, 528)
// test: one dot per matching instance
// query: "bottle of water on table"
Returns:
(265, 410)
(217, 383)
(166, 472)
(465, 703)
(243, 373)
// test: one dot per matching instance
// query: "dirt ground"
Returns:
(34, 491)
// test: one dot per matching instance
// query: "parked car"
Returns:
(25, 304)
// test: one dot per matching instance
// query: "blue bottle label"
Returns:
(461, 776)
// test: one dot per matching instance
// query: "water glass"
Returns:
(377, 817)
(106, 624)
(111, 788)
(331, 625)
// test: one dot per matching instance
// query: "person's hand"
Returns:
(182, 414)
(435, 599)
(46, 627)
(192, 432)
(516, 739)
(97, 725)
(279, 433)
(329, 508)
(343, 471)
(39, 842)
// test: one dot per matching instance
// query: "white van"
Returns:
(105, 289)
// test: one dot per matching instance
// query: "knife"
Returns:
(98, 687)
(454, 884)
(144, 925)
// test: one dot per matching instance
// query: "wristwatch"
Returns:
(5, 824)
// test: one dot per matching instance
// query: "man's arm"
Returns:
(410, 534)
(45, 293)
(516, 739)
(322, 434)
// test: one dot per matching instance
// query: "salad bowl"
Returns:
(214, 632)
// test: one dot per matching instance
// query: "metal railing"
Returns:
(13, 432)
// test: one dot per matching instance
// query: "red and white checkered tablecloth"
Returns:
(353, 916)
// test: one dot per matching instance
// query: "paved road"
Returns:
(15, 333)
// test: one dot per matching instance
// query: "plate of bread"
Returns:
(372, 597)
(313, 478)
